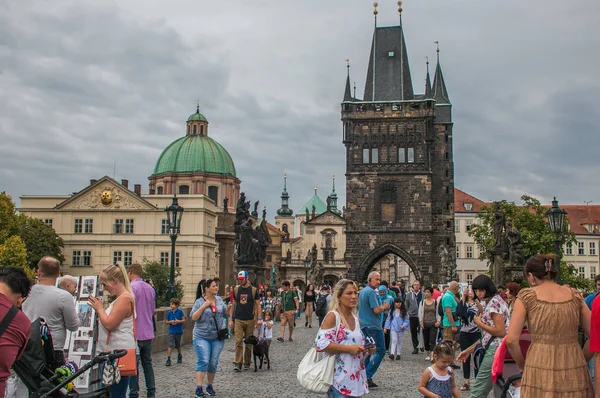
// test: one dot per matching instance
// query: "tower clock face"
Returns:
(106, 197)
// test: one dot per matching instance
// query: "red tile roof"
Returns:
(461, 198)
(274, 229)
(582, 215)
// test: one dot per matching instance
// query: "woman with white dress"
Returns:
(346, 343)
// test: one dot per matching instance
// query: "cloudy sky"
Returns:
(85, 85)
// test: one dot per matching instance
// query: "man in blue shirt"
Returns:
(450, 321)
(369, 310)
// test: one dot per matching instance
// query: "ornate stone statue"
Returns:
(316, 269)
(289, 255)
(516, 257)
(499, 226)
(255, 211)
(225, 205)
(264, 215)
(286, 234)
(314, 210)
(307, 215)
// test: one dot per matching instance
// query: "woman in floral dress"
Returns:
(346, 343)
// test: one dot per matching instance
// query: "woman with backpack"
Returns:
(324, 299)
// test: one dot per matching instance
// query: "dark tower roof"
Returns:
(440, 94)
(348, 92)
(285, 210)
(428, 89)
(388, 76)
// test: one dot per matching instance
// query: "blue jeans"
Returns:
(145, 357)
(591, 364)
(207, 354)
(333, 393)
(373, 361)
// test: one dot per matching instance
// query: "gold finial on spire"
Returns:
(400, 7)
(437, 45)
(375, 12)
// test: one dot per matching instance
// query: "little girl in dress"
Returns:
(437, 380)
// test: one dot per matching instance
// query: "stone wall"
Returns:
(161, 339)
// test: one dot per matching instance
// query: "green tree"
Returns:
(40, 240)
(159, 274)
(8, 217)
(530, 219)
(14, 254)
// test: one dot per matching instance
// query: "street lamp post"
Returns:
(174, 213)
(307, 262)
(556, 217)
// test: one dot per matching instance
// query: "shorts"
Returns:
(287, 317)
(174, 340)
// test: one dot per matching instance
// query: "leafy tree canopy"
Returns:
(14, 254)
(530, 219)
(159, 274)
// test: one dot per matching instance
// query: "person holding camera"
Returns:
(369, 314)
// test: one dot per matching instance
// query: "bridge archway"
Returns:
(375, 255)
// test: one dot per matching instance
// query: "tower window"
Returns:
(159, 190)
(374, 155)
(184, 189)
(411, 155)
(365, 155)
(188, 129)
(213, 193)
(194, 130)
(401, 155)
(201, 130)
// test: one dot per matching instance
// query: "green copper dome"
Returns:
(320, 206)
(197, 117)
(195, 154)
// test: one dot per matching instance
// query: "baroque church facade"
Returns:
(107, 222)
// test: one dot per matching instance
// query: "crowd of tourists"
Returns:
(361, 325)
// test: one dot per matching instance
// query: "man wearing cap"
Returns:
(246, 305)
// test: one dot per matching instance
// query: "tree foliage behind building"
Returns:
(530, 219)
(159, 274)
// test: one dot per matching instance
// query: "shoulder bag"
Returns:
(127, 365)
(222, 334)
(315, 372)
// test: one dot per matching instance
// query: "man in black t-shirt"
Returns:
(246, 305)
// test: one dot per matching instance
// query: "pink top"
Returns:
(145, 305)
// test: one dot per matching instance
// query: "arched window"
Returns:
(328, 241)
(188, 130)
(159, 190)
(184, 189)
(201, 130)
(213, 193)
(194, 129)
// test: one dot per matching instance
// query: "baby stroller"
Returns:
(504, 369)
(36, 367)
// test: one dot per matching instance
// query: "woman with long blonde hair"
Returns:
(116, 322)
(346, 341)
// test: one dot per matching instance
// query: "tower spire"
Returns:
(428, 89)
(440, 94)
(347, 92)
(333, 199)
(285, 211)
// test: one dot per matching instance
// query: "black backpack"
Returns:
(321, 306)
(440, 307)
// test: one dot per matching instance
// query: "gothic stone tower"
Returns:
(399, 166)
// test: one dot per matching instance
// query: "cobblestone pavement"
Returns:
(395, 378)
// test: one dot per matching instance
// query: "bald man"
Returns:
(450, 321)
(68, 283)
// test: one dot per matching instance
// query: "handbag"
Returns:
(222, 334)
(111, 374)
(127, 365)
(315, 372)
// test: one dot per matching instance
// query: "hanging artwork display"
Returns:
(82, 343)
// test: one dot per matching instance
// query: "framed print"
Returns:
(81, 346)
(86, 315)
(89, 287)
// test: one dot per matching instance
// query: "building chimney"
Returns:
(92, 181)
(125, 183)
(137, 188)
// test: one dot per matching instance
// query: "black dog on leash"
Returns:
(260, 350)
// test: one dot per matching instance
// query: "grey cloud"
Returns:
(86, 85)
